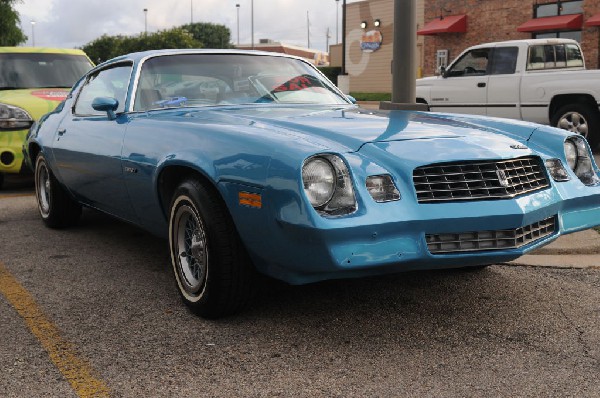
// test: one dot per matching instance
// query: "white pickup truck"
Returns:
(538, 80)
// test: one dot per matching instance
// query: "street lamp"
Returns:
(237, 6)
(252, 21)
(337, 21)
(145, 21)
(32, 34)
(191, 12)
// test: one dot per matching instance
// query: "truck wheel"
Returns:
(581, 119)
(212, 270)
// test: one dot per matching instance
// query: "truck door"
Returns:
(463, 88)
(503, 93)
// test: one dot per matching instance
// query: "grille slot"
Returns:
(490, 240)
(479, 180)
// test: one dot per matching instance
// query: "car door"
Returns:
(463, 88)
(503, 84)
(88, 143)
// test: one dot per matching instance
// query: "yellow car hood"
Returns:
(37, 101)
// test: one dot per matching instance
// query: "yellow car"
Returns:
(33, 81)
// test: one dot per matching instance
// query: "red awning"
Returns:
(593, 21)
(449, 24)
(568, 22)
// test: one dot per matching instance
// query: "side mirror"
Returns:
(442, 71)
(351, 99)
(106, 104)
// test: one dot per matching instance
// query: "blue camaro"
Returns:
(250, 161)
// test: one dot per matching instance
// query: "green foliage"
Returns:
(210, 34)
(331, 72)
(106, 47)
(10, 33)
(196, 35)
(372, 96)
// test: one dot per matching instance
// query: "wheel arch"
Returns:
(171, 176)
(564, 99)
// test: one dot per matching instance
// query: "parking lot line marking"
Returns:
(16, 195)
(75, 369)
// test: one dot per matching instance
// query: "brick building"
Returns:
(447, 27)
(453, 25)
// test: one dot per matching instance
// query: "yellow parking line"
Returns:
(16, 195)
(76, 370)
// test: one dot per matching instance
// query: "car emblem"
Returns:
(502, 178)
(518, 146)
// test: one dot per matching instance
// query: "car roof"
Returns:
(529, 42)
(41, 50)
(139, 56)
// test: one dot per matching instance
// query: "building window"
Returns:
(559, 8)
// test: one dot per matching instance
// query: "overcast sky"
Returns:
(73, 23)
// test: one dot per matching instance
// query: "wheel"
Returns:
(581, 119)
(212, 270)
(56, 207)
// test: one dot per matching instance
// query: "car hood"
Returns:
(36, 101)
(349, 129)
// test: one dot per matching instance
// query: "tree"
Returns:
(106, 47)
(212, 35)
(10, 33)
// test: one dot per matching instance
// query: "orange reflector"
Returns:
(250, 199)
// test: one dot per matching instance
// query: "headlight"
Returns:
(12, 117)
(328, 186)
(318, 176)
(579, 159)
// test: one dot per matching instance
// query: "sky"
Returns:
(74, 23)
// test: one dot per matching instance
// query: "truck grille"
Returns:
(502, 239)
(479, 180)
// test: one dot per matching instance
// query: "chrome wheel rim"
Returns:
(191, 250)
(43, 189)
(574, 122)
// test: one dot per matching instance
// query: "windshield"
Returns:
(211, 79)
(35, 70)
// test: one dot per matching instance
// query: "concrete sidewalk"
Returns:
(577, 250)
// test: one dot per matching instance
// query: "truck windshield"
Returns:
(41, 70)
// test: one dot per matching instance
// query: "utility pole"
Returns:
(238, 23)
(252, 21)
(191, 12)
(327, 36)
(337, 22)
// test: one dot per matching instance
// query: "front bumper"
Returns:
(391, 237)
(11, 153)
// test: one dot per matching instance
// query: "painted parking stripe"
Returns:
(16, 195)
(75, 369)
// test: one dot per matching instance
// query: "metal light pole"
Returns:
(32, 34)
(344, 37)
(308, 29)
(252, 21)
(337, 21)
(237, 6)
(191, 11)
(145, 21)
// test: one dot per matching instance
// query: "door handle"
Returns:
(481, 84)
(61, 132)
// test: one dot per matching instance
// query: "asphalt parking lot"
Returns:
(92, 311)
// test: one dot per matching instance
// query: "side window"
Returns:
(473, 63)
(574, 57)
(505, 60)
(112, 82)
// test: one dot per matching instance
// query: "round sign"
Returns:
(371, 41)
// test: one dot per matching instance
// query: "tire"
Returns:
(56, 207)
(212, 270)
(581, 119)
(1, 180)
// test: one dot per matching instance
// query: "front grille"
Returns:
(490, 240)
(479, 180)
